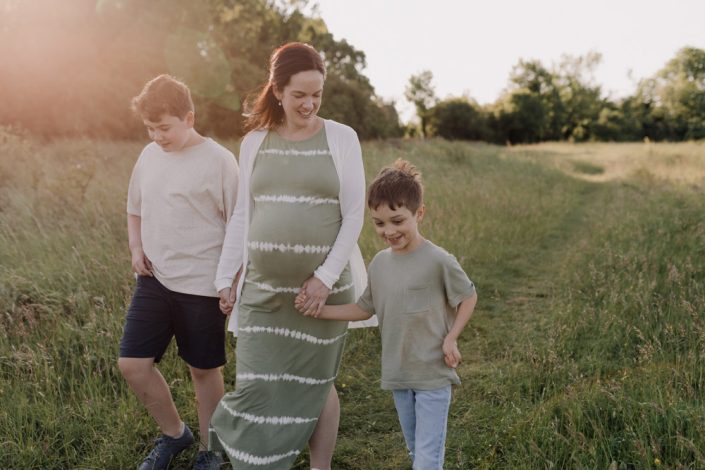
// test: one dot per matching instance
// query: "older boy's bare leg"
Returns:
(322, 442)
(152, 391)
(209, 387)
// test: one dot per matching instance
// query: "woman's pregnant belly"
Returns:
(287, 242)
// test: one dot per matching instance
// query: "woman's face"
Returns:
(301, 98)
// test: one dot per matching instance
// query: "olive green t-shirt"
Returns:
(415, 296)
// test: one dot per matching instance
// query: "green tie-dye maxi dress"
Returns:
(286, 363)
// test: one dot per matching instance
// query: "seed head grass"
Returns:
(585, 350)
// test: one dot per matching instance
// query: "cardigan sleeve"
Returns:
(232, 253)
(230, 174)
(352, 207)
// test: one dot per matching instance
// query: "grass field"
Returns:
(586, 350)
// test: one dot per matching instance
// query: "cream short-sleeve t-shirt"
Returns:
(184, 200)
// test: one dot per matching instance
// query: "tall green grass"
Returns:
(586, 349)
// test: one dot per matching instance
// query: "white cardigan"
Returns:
(347, 158)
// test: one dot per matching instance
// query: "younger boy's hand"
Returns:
(315, 294)
(300, 300)
(140, 263)
(451, 353)
(300, 304)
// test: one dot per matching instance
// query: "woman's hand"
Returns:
(314, 295)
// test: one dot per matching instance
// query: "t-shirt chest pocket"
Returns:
(416, 299)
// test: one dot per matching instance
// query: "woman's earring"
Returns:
(280, 103)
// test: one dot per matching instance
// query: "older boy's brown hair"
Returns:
(397, 185)
(163, 95)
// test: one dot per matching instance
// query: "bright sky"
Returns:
(471, 45)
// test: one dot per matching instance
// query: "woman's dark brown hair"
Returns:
(264, 112)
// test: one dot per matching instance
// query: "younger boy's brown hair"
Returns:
(163, 95)
(397, 185)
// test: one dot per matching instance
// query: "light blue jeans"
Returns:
(423, 415)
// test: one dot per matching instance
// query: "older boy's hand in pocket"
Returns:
(140, 263)
(451, 353)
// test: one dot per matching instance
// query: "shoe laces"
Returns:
(154, 454)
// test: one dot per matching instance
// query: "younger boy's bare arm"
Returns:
(462, 316)
(451, 352)
(346, 312)
(140, 263)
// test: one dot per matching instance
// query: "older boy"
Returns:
(423, 300)
(180, 198)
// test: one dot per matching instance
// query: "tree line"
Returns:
(563, 102)
(70, 68)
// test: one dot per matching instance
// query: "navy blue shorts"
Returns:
(157, 314)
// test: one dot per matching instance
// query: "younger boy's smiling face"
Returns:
(398, 227)
(170, 132)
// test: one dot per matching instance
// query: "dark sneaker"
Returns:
(208, 460)
(165, 449)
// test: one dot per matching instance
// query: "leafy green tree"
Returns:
(580, 96)
(675, 97)
(457, 118)
(88, 59)
(530, 109)
(624, 120)
(538, 98)
(542, 104)
(521, 117)
(420, 92)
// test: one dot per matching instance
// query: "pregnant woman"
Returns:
(298, 215)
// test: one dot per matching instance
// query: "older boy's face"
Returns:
(170, 132)
(398, 227)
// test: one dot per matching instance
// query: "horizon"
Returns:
(630, 49)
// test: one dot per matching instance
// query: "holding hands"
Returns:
(228, 296)
(312, 297)
(227, 300)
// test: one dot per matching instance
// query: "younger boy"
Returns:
(423, 300)
(180, 198)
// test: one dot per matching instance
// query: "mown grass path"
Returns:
(520, 322)
(582, 381)
(509, 328)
